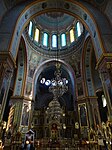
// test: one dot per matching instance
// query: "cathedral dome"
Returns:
(55, 31)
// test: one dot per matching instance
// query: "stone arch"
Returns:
(90, 17)
(22, 69)
(66, 67)
(86, 67)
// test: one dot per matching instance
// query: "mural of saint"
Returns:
(31, 71)
(80, 89)
(33, 58)
(28, 88)
(83, 117)
(25, 115)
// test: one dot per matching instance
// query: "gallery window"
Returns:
(36, 36)
(79, 28)
(45, 39)
(63, 39)
(72, 38)
(30, 30)
(54, 40)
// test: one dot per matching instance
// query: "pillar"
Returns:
(22, 110)
(7, 66)
(93, 115)
(105, 71)
(95, 111)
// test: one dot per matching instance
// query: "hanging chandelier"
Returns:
(58, 85)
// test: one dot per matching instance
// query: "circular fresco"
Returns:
(52, 20)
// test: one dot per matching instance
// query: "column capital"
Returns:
(105, 62)
(7, 59)
(15, 99)
(87, 98)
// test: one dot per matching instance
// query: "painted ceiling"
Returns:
(98, 3)
(54, 20)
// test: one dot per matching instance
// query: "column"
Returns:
(95, 111)
(105, 89)
(50, 41)
(109, 71)
(41, 37)
(21, 118)
(105, 71)
(68, 38)
(89, 113)
(6, 72)
(7, 65)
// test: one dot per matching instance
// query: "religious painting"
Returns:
(83, 115)
(28, 88)
(33, 58)
(54, 126)
(77, 69)
(80, 89)
(31, 70)
(25, 115)
(3, 89)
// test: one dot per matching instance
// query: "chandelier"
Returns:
(58, 85)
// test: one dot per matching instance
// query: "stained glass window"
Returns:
(63, 39)
(30, 28)
(54, 40)
(78, 29)
(36, 37)
(72, 38)
(45, 39)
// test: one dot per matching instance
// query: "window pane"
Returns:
(54, 41)
(45, 39)
(36, 38)
(30, 28)
(78, 29)
(72, 35)
(63, 39)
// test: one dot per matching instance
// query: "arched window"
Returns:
(79, 28)
(36, 36)
(45, 39)
(54, 41)
(30, 28)
(63, 39)
(72, 38)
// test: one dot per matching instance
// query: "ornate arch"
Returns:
(13, 23)
(49, 63)
(86, 67)
(22, 70)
